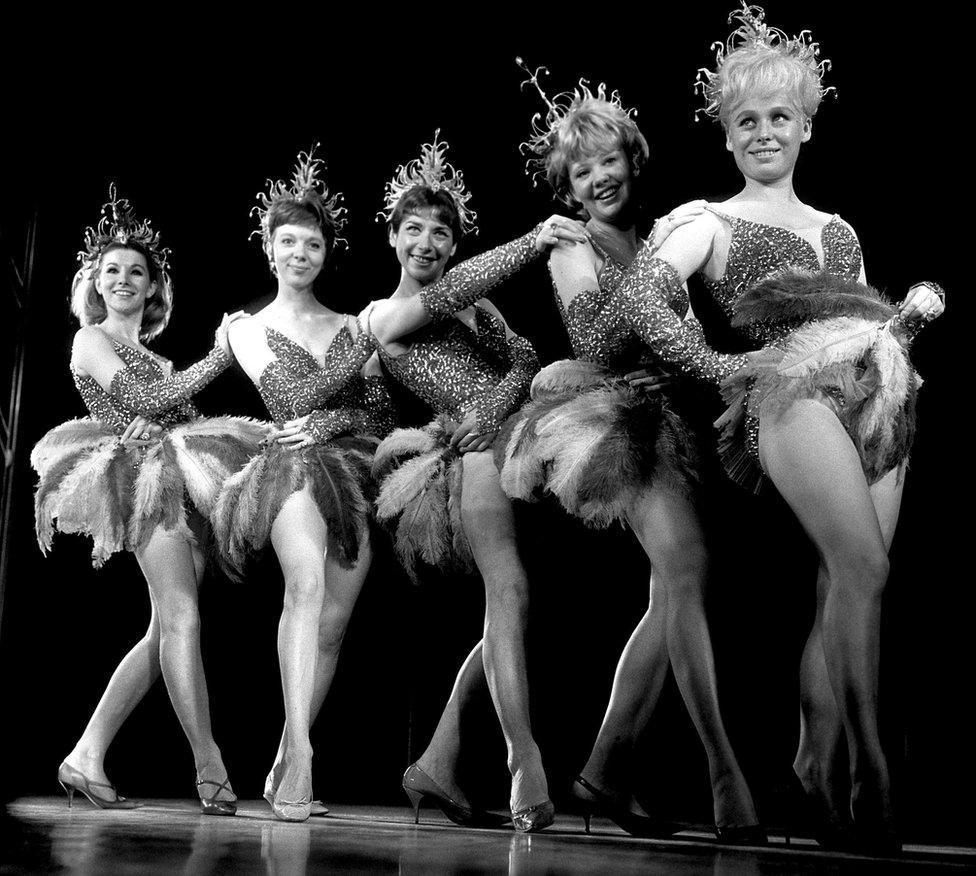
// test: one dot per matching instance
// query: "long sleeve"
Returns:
(647, 288)
(342, 364)
(324, 425)
(494, 406)
(465, 283)
(153, 397)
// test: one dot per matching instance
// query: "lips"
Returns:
(764, 153)
(607, 194)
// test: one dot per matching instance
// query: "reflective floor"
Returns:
(40, 834)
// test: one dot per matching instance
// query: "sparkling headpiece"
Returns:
(560, 108)
(754, 35)
(119, 225)
(307, 189)
(437, 174)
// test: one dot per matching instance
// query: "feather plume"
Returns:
(230, 517)
(159, 496)
(568, 375)
(70, 438)
(825, 342)
(337, 491)
(400, 443)
(460, 548)
(406, 483)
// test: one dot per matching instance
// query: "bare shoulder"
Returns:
(570, 254)
(246, 332)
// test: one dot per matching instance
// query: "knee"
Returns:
(506, 602)
(865, 568)
(304, 585)
(683, 568)
(177, 617)
(332, 626)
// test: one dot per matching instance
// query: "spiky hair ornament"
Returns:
(119, 225)
(754, 35)
(432, 170)
(545, 133)
(307, 187)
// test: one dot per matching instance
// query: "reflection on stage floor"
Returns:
(41, 834)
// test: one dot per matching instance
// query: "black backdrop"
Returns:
(191, 125)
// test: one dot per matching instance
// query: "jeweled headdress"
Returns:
(560, 109)
(754, 35)
(307, 188)
(119, 225)
(432, 170)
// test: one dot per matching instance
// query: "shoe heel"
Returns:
(70, 791)
(414, 797)
(586, 820)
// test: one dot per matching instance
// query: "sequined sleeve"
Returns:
(465, 283)
(648, 286)
(512, 390)
(323, 425)
(342, 364)
(381, 412)
(150, 398)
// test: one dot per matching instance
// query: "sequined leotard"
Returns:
(90, 483)
(347, 414)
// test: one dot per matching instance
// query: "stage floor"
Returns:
(40, 834)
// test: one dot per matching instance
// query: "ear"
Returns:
(728, 140)
(153, 287)
(392, 238)
(453, 250)
(807, 129)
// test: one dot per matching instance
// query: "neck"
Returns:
(777, 192)
(408, 286)
(124, 328)
(295, 301)
(624, 232)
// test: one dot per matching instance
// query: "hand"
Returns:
(921, 303)
(557, 228)
(220, 336)
(467, 439)
(140, 432)
(648, 380)
(291, 435)
(675, 219)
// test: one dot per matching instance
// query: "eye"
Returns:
(111, 269)
(314, 244)
(612, 158)
(286, 240)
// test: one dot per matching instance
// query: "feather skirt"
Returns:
(847, 353)
(594, 442)
(91, 484)
(419, 498)
(337, 475)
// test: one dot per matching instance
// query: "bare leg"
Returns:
(637, 684)
(173, 568)
(135, 674)
(490, 527)
(299, 539)
(814, 465)
(342, 587)
(670, 533)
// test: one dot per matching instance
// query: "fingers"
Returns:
(558, 229)
(298, 439)
(922, 303)
(476, 443)
(136, 427)
(288, 431)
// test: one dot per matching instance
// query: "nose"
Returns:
(423, 241)
(600, 176)
(764, 130)
(299, 252)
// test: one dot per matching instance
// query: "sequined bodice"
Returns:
(450, 366)
(106, 407)
(757, 250)
(597, 322)
(290, 385)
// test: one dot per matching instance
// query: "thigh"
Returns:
(667, 526)
(811, 460)
(167, 561)
(299, 535)
(484, 505)
(342, 585)
(886, 496)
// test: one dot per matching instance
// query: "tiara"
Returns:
(307, 186)
(434, 172)
(559, 109)
(119, 225)
(752, 33)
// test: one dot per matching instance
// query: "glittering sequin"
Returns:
(465, 283)
(455, 369)
(141, 388)
(337, 395)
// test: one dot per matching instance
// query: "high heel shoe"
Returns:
(417, 785)
(593, 801)
(211, 805)
(533, 818)
(317, 807)
(874, 831)
(74, 780)
(807, 813)
(742, 835)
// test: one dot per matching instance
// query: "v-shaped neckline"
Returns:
(305, 350)
(820, 259)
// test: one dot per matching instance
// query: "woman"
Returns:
(826, 412)
(308, 491)
(473, 371)
(129, 494)
(606, 434)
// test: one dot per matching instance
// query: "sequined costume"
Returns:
(826, 337)
(455, 370)
(347, 415)
(587, 436)
(91, 483)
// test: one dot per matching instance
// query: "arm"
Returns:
(93, 355)
(652, 280)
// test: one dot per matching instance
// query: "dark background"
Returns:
(189, 123)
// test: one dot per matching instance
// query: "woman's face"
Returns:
(123, 281)
(299, 254)
(602, 182)
(423, 246)
(764, 134)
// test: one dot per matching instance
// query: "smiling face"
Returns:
(299, 253)
(764, 134)
(123, 281)
(602, 182)
(423, 244)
